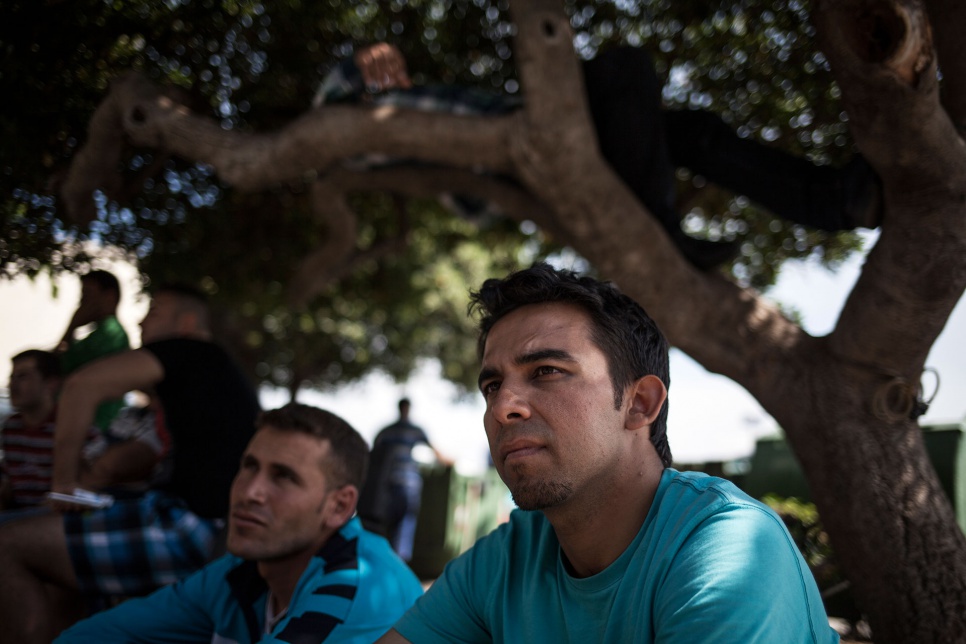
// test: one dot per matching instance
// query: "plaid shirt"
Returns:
(344, 85)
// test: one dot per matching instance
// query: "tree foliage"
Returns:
(239, 76)
(255, 66)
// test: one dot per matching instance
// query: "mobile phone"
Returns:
(84, 497)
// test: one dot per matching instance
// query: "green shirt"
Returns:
(107, 338)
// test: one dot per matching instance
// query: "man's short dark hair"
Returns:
(348, 452)
(630, 339)
(105, 281)
(48, 364)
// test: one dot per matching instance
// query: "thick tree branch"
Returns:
(557, 158)
(338, 254)
(136, 112)
(918, 269)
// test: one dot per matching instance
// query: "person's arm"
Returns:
(125, 462)
(130, 451)
(176, 613)
(83, 391)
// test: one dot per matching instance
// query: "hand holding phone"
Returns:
(83, 497)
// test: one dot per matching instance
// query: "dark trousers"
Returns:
(645, 144)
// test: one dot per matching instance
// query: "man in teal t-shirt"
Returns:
(100, 296)
(610, 544)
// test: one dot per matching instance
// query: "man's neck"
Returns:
(594, 533)
(282, 575)
(35, 416)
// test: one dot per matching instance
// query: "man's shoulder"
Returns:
(112, 325)
(13, 421)
(108, 334)
(188, 352)
(166, 344)
(701, 487)
(357, 580)
(355, 549)
(692, 508)
(687, 500)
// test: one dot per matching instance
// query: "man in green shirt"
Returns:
(100, 295)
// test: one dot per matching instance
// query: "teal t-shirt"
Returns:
(710, 564)
(107, 338)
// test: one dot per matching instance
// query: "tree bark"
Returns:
(844, 401)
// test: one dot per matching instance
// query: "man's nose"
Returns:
(507, 404)
(254, 489)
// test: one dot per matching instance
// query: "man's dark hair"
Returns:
(348, 452)
(630, 339)
(48, 364)
(105, 281)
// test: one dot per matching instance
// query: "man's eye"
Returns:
(489, 387)
(545, 370)
(285, 476)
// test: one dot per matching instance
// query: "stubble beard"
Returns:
(540, 495)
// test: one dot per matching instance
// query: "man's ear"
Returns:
(342, 505)
(646, 397)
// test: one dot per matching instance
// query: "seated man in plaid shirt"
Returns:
(644, 144)
(137, 544)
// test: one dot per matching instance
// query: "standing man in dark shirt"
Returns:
(391, 497)
(140, 544)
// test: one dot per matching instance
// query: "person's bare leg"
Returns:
(37, 580)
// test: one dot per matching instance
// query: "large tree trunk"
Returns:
(844, 400)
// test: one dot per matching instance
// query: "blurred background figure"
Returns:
(28, 434)
(390, 500)
(100, 296)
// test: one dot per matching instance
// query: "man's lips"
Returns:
(243, 518)
(520, 449)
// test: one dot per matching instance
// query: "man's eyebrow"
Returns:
(279, 468)
(529, 358)
(545, 354)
